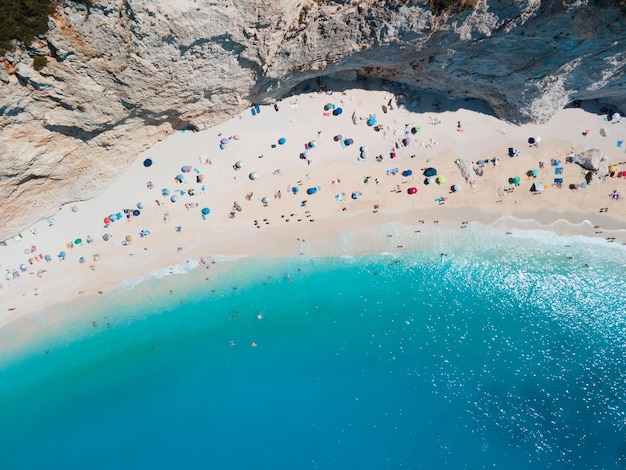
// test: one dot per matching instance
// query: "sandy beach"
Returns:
(301, 178)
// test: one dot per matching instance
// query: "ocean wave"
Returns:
(176, 270)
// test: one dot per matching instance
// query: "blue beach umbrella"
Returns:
(407, 173)
(48, 258)
(347, 142)
(174, 198)
(371, 121)
(147, 162)
(206, 211)
(337, 111)
(295, 190)
(311, 190)
(430, 172)
(62, 255)
(165, 192)
(282, 141)
(136, 212)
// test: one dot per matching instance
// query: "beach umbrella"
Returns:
(224, 141)
(329, 106)
(74, 208)
(136, 212)
(174, 198)
(282, 141)
(355, 195)
(199, 178)
(236, 137)
(62, 255)
(239, 164)
(78, 241)
(348, 141)
(107, 220)
(430, 172)
(441, 179)
(371, 121)
(8, 276)
(337, 138)
(23, 268)
(129, 238)
(180, 177)
(147, 162)
(515, 180)
(312, 144)
(48, 258)
(363, 148)
(165, 192)
(531, 140)
(17, 238)
(140, 205)
(406, 141)
(457, 187)
(416, 129)
(265, 200)
(311, 190)
(253, 176)
(106, 237)
(304, 155)
(412, 190)
(407, 173)
(534, 172)
(206, 211)
(295, 190)
(118, 216)
(337, 111)
(184, 169)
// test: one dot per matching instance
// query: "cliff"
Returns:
(123, 74)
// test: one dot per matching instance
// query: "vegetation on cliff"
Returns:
(22, 20)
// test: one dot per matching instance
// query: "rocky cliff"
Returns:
(122, 74)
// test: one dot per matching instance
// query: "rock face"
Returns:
(125, 73)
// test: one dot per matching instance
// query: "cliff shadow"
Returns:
(415, 100)
(597, 106)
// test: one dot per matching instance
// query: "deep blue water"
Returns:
(507, 354)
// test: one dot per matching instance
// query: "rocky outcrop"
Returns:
(124, 73)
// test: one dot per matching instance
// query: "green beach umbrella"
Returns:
(441, 179)
(516, 180)
(78, 241)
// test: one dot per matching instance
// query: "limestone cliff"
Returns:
(124, 73)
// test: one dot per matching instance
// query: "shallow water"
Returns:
(503, 352)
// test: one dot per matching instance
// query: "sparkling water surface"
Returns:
(483, 352)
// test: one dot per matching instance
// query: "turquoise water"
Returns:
(507, 352)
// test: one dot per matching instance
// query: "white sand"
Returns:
(325, 225)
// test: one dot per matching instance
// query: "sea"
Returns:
(481, 350)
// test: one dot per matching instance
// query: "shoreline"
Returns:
(330, 219)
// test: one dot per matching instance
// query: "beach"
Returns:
(332, 170)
